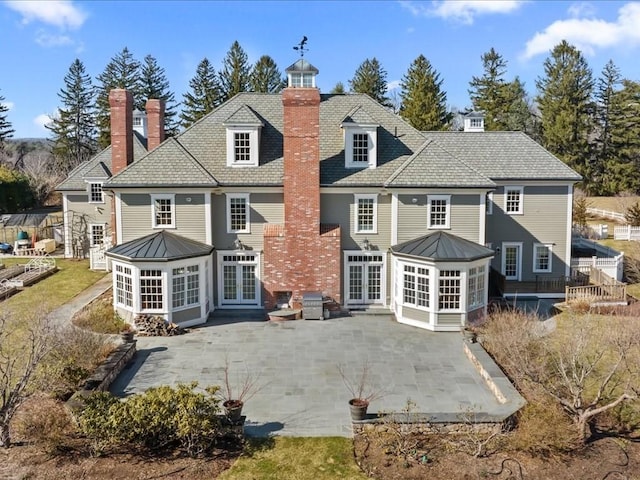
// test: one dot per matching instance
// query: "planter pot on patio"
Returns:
(127, 337)
(233, 409)
(358, 408)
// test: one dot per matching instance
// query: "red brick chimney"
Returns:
(121, 103)
(302, 255)
(155, 123)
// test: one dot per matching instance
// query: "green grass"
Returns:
(287, 458)
(73, 277)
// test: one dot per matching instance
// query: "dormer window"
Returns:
(243, 138)
(360, 139)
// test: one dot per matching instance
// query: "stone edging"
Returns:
(104, 375)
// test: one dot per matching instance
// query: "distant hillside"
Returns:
(17, 148)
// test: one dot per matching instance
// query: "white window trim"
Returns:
(358, 197)
(549, 246)
(430, 293)
(246, 197)
(185, 276)
(253, 146)
(503, 254)
(521, 203)
(372, 133)
(462, 286)
(116, 272)
(163, 196)
(296, 79)
(489, 203)
(480, 302)
(447, 225)
(95, 182)
(104, 232)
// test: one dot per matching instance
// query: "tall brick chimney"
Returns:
(121, 103)
(301, 255)
(155, 123)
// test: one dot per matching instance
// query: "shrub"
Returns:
(100, 317)
(159, 418)
(632, 215)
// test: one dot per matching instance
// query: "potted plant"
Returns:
(362, 391)
(127, 332)
(235, 392)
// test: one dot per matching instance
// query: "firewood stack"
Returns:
(156, 326)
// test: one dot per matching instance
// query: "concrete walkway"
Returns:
(62, 315)
(302, 392)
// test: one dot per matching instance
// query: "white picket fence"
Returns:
(598, 212)
(626, 232)
(606, 259)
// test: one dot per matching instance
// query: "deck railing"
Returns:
(594, 293)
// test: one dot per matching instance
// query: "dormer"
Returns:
(140, 123)
(474, 122)
(360, 139)
(243, 138)
(301, 75)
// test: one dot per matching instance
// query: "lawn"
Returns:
(286, 458)
(73, 277)
(613, 204)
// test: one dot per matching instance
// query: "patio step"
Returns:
(369, 310)
(247, 314)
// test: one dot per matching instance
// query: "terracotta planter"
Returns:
(233, 409)
(358, 408)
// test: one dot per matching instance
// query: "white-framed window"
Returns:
(449, 290)
(415, 286)
(366, 218)
(513, 200)
(96, 195)
(238, 208)
(476, 281)
(124, 286)
(96, 234)
(137, 121)
(302, 79)
(242, 146)
(489, 203)
(476, 122)
(439, 211)
(163, 211)
(360, 147)
(542, 257)
(151, 291)
(186, 286)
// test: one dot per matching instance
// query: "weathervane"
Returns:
(301, 46)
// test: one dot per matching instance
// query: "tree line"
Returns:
(591, 124)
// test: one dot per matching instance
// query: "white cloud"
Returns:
(59, 13)
(42, 120)
(45, 39)
(589, 34)
(463, 11)
(581, 9)
(393, 84)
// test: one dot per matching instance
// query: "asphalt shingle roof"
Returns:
(161, 246)
(443, 247)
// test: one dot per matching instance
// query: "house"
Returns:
(274, 195)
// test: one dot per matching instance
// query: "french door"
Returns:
(238, 279)
(512, 261)
(364, 278)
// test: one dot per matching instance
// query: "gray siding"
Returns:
(137, 220)
(186, 315)
(449, 319)
(544, 221)
(265, 208)
(80, 215)
(413, 217)
(340, 208)
(415, 314)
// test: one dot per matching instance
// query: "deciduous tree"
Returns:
(205, 94)
(424, 103)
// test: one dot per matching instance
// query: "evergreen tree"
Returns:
(265, 76)
(518, 115)
(424, 103)
(338, 88)
(622, 170)
(605, 111)
(490, 93)
(564, 95)
(74, 128)
(154, 84)
(122, 71)
(6, 131)
(371, 78)
(235, 74)
(205, 94)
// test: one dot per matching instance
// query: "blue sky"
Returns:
(41, 39)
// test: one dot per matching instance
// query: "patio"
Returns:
(303, 393)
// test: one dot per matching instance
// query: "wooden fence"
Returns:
(598, 212)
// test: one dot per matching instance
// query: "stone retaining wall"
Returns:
(407, 426)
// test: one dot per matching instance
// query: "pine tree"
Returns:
(518, 115)
(424, 103)
(122, 71)
(490, 93)
(154, 84)
(338, 88)
(564, 100)
(74, 128)
(205, 94)
(371, 78)
(6, 131)
(265, 76)
(622, 170)
(234, 77)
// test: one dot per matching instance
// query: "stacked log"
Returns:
(156, 326)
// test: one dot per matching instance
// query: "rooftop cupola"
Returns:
(301, 75)
(474, 122)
